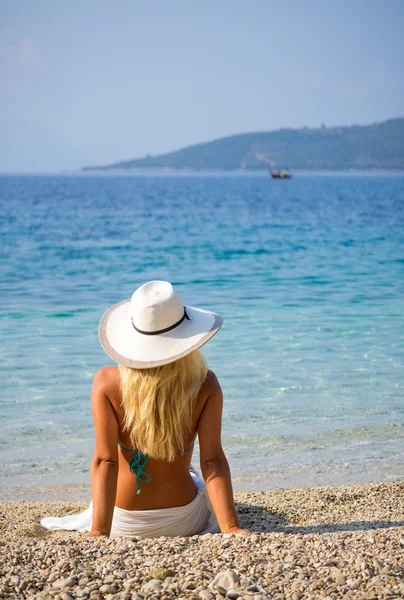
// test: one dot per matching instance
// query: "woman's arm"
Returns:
(214, 465)
(104, 468)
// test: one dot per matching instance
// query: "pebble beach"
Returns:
(322, 542)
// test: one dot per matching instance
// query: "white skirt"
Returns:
(197, 517)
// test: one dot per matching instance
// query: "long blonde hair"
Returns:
(158, 404)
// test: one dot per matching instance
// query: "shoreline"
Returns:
(343, 541)
(81, 492)
(137, 171)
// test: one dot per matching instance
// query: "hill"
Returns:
(376, 146)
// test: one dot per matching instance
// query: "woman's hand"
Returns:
(237, 530)
(92, 534)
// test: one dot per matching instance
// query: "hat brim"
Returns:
(128, 347)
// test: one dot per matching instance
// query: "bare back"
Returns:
(171, 483)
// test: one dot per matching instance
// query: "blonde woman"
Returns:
(147, 415)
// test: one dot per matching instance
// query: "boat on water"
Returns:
(281, 174)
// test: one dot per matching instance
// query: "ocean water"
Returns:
(308, 275)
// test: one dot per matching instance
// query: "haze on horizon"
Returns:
(97, 82)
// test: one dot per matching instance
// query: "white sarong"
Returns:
(197, 517)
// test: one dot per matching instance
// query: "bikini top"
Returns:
(138, 461)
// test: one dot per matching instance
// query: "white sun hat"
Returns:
(154, 328)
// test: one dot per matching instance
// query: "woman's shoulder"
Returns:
(107, 378)
(211, 382)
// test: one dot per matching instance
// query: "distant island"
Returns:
(376, 146)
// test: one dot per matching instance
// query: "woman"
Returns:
(147, 413)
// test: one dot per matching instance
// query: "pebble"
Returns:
(128, 585)
(300, 548)
(189, 585)
(221, 591)
(108, 589)
(338, 576)
(225, 580)
(206, 595)
(59, 584)
(152, 585)
(23, 584)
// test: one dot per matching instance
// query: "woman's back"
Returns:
(170, 483)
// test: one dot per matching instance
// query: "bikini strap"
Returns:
(127, 449)
(185, 449)
(136, 463)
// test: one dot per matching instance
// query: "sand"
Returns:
(329, 542)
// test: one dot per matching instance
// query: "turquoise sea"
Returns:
(308, 275)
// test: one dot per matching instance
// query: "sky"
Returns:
(95, 82)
